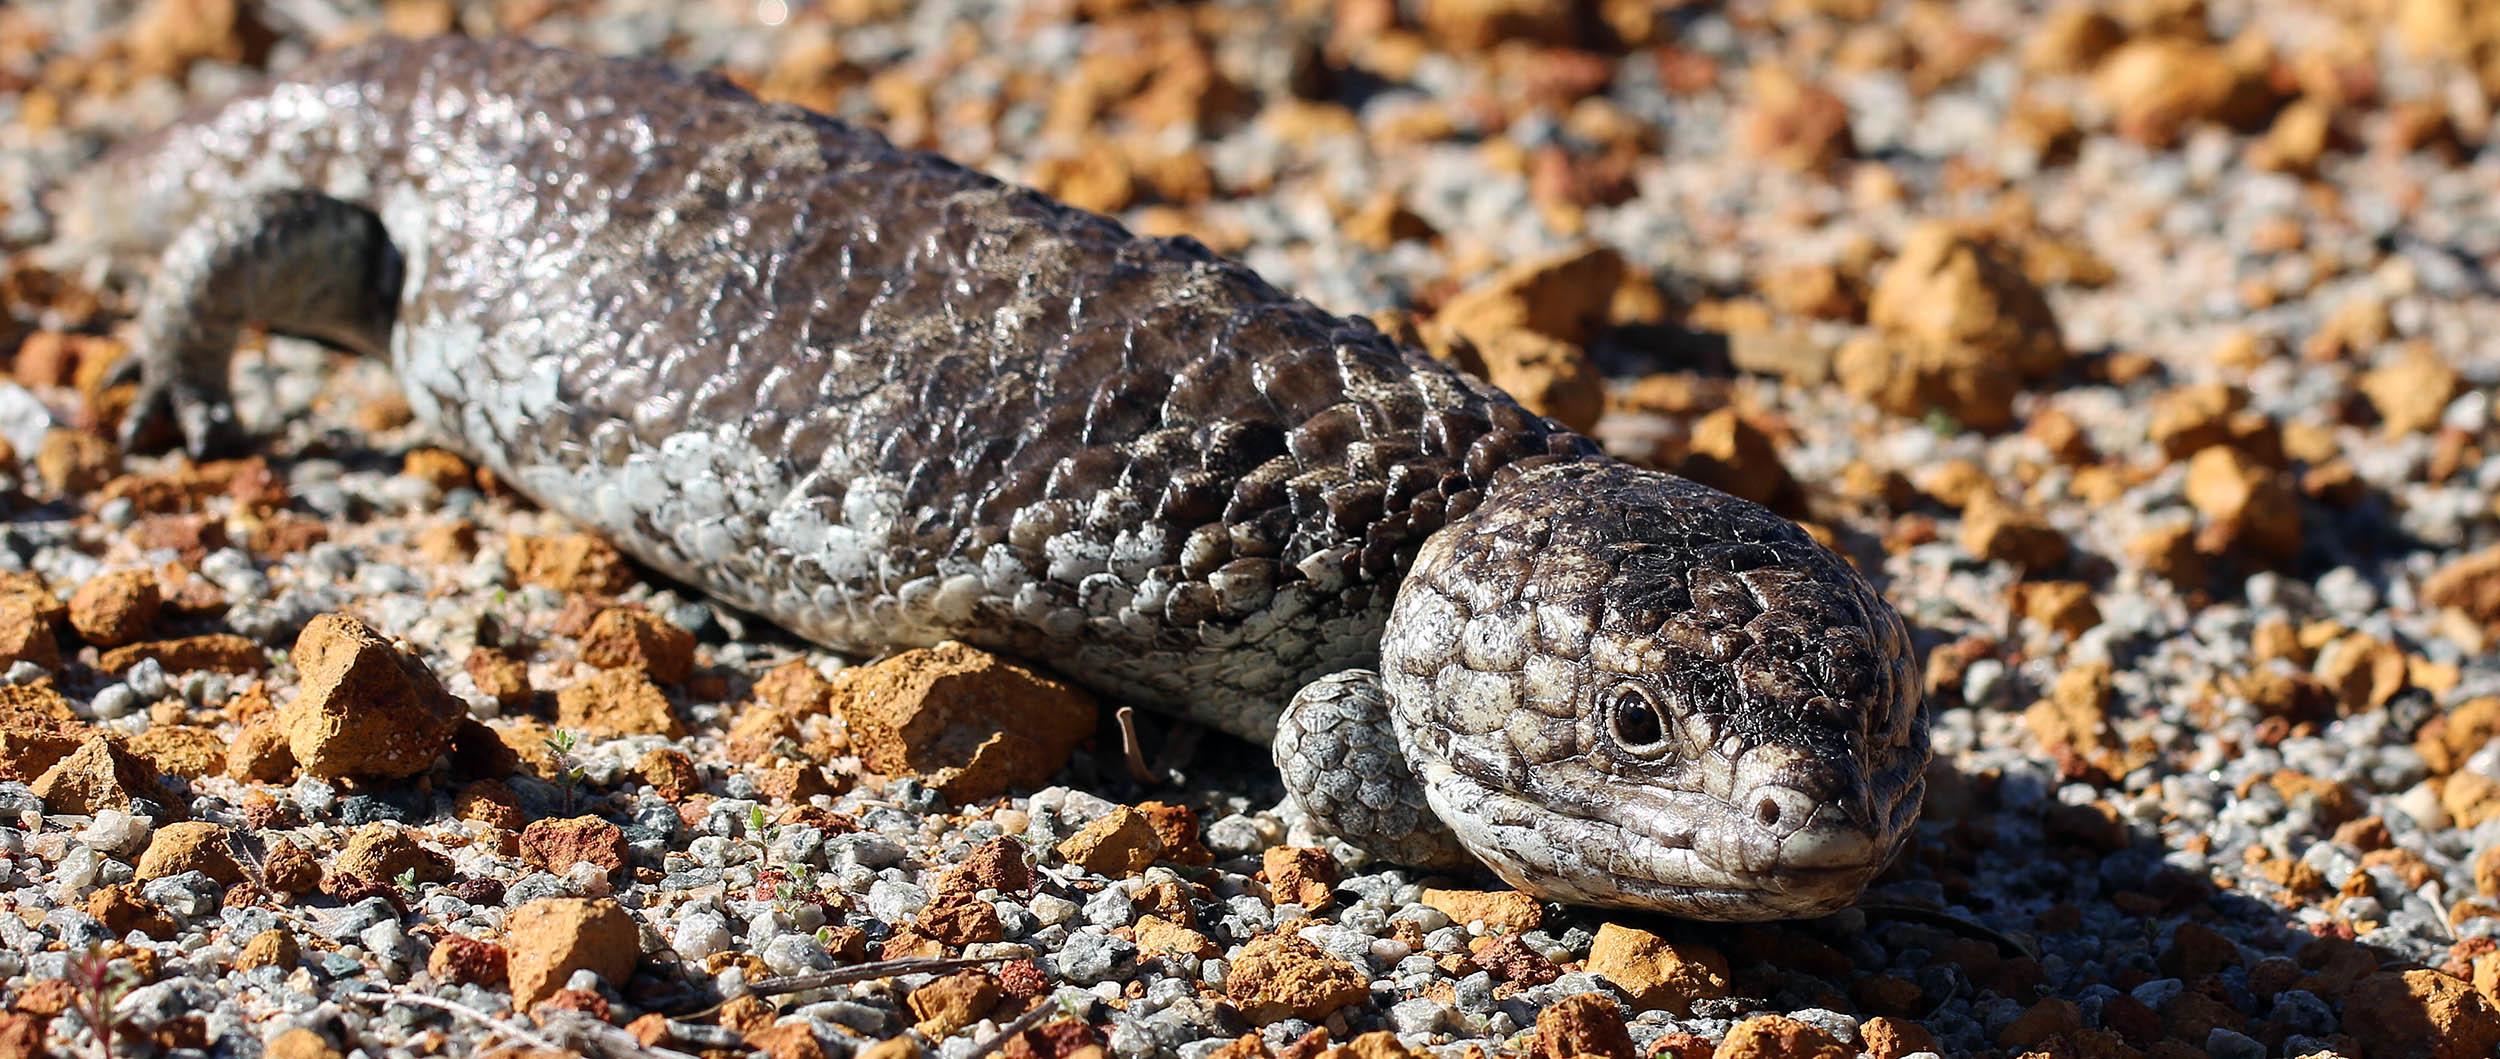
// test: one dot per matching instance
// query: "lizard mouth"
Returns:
(1771, 852)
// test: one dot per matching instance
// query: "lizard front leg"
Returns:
(1338, 751)
(295, 262)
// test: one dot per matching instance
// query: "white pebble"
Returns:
(113, 831)
(700, 934)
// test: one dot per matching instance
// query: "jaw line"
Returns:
(1516, 838)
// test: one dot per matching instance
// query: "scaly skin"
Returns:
(885, 401)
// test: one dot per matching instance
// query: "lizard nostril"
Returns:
(1767, 811)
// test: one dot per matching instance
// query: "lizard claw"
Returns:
(204, 423)
(125, 370)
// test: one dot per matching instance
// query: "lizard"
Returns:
(885, 401)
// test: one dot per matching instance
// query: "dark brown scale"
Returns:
(1192, 497)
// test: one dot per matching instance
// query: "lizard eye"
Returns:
(1637, 725)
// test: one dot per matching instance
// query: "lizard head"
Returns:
(1623, 688)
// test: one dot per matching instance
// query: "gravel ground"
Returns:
(2143, 351)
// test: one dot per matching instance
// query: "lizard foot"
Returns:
(167, 409)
